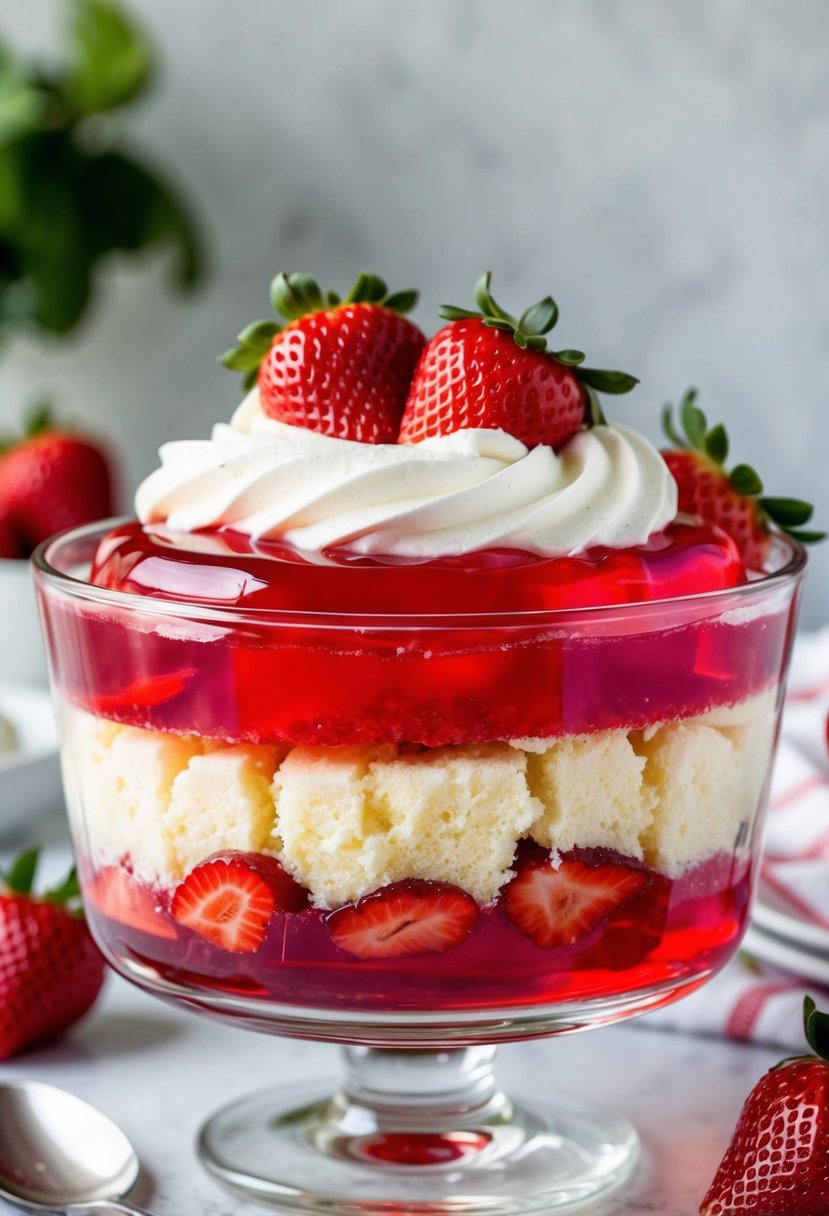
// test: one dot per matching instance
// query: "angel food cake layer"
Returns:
(347, 821)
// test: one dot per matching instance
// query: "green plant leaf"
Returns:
(110, 61)
(788, 512)
(607, 382)
(22, 101)
(570, 358)
(126, 205)
(745, 480)
(50, 264)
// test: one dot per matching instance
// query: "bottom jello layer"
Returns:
(667, 932)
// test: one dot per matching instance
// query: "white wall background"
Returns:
(662, 167)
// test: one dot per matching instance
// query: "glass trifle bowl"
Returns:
(417, 835)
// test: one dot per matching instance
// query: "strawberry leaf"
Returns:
(805, 537)
(307, 292)
(715, 443)
(21, 876)
(816, 1028)
(497, 323)
(788, 512)
(241, 359)
(745, 481)
(259, 334)
(570, 358)
(284, 299)
(487, 305)
(450, 313)
(401, 301)
(367, 289)
(693, 420)
(539, 318)
(671, 433)
(607, 382)
(67, 892)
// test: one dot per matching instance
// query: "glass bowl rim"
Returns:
(793, 559)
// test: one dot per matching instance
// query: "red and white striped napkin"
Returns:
(752, 1000)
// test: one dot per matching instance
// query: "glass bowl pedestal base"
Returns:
(416, 1131)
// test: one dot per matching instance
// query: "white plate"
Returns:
(30, 776)
(770, 949)
(771, 915)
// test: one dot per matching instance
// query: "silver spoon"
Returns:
(59, 1154)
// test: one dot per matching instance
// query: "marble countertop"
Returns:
(158, 1070)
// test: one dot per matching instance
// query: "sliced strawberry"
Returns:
(116, 894)
(415, 916)
(560, 906)
(230, 898)
(144, 692)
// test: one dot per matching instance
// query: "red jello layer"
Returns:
(351, 677)
(672, 932)
(227, 569)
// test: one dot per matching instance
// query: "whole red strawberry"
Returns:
(11, 545)
(732, 500)
(340, 367)
(777, 1163)
(487, 369)
(50, 480)
(51, 971)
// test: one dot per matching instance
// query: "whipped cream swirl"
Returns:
(474, 489)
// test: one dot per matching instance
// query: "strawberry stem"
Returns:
(298, 295)
(529, 332)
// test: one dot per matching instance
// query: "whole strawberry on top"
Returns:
(487, 369)
(777, 1163)
(51, 971)
(734, 501)
(51, 479)
(340, 367)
